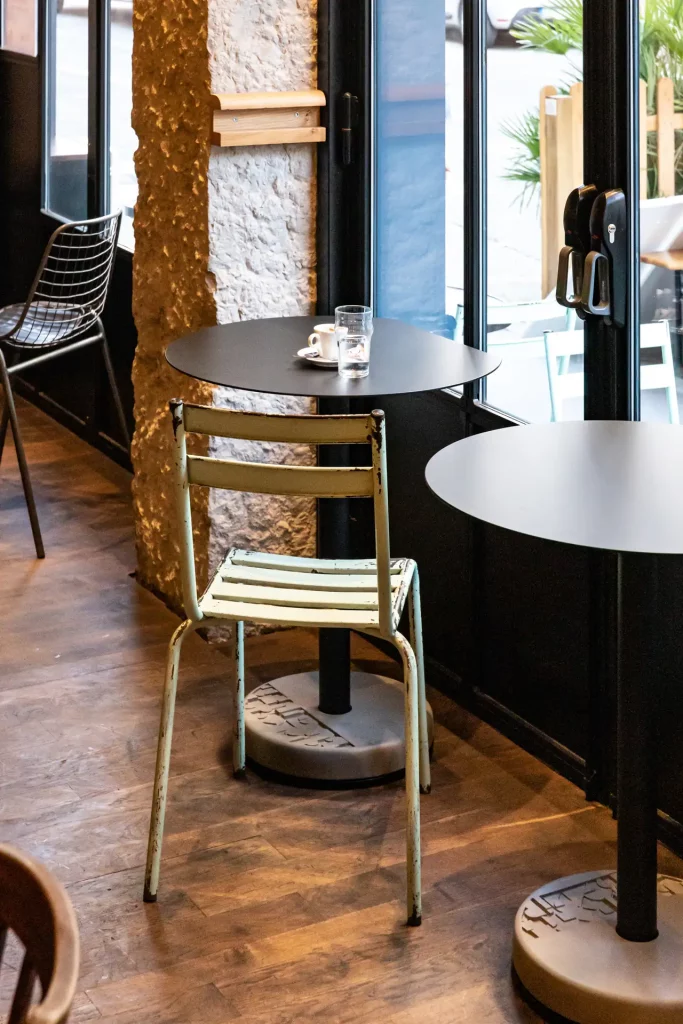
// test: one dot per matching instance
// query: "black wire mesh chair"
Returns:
(61, 314)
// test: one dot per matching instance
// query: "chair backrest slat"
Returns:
(265, 478)
(274, 478)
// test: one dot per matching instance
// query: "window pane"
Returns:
(661, 214)
(67, 108)
(123, 138)
(409, 187)
(535, 158)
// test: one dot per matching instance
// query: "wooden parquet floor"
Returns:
(277, 904)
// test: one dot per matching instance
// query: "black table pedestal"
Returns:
(334, 541)
(637, 750)
(333, 726)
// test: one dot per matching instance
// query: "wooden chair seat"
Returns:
(283, 590)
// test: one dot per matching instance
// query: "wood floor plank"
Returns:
(277, 904)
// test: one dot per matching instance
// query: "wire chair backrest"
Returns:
(70, 288)
(266, 478)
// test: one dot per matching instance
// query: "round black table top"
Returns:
(260, 355)
(615, 486)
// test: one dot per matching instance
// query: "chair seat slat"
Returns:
(311, 580)
(293, 597)
(294, 563)
(278, 615)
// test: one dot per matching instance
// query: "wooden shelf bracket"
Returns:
(267, 118)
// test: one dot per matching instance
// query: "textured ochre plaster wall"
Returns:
(262, 241)
(220, 235)
(173, 291)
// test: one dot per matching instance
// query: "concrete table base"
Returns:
(569, 956)
(287, 733)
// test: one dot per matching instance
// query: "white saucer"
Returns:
(311, 356)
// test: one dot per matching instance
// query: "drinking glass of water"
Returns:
(353, 326)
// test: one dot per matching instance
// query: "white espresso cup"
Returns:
(324, 341)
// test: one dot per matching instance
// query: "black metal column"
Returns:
(344, 244)
(99, 50)
(334, 541)
(637, 750)
(611, 354)
(475, 173)
(611, 160)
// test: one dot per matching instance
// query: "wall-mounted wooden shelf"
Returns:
(266, 118)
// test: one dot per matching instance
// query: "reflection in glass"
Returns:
(67, 109)
(409, 189)
(535, 158)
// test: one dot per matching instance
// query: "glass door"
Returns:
(412, 117)
(475, 122)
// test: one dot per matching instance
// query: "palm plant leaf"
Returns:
(661, 56)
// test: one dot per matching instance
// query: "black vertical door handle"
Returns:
(348, 121)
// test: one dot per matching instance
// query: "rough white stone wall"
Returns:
(262, 243)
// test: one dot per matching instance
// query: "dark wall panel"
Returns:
(512, 633)
(73, 389)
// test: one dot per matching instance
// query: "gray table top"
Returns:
(260, 355)
(614, 486)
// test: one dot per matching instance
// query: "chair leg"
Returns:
(415, 613)
(413, 859)
(21, 458)
(115, 390)
(156, 826)
(238, 743)
(4, 420)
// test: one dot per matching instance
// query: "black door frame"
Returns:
(344, 228)
(612, 363)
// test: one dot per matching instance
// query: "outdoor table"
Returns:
(305, 724)
(617, 487)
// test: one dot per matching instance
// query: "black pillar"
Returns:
(637, 749)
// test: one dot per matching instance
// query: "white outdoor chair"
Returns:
(505, 315)
(367, 595)
(564, 384)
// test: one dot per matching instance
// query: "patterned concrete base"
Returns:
(287, 733)
(568, 955)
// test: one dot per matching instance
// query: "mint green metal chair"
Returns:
(367, 595)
